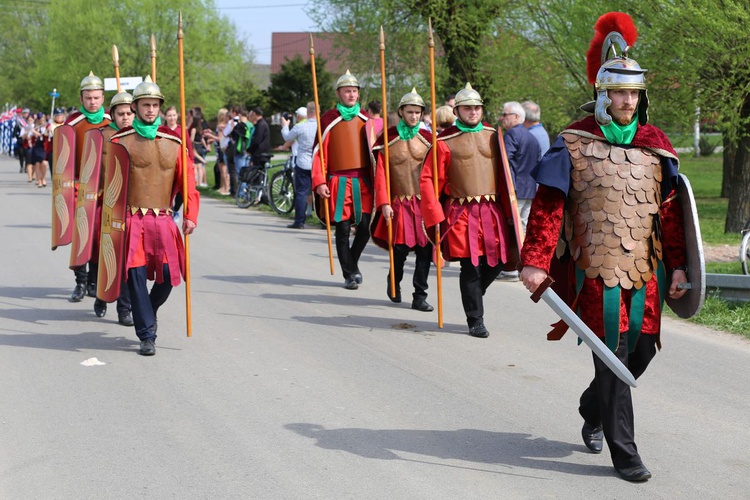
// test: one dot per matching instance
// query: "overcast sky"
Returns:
(257, 19)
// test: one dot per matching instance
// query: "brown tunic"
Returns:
(405, 164)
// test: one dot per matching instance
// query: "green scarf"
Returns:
(348, 113)
(465, 128)
(144, 130)
(93, 118)
(405, 132)
(620, 134)
(112, 124)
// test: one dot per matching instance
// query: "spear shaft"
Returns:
(386, 157)
(433, 97)
(320, 151)
(184, 160)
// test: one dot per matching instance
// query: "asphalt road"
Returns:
(292, 387)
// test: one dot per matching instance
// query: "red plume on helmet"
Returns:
(609, 22)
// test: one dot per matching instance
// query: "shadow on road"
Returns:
(74, 342)
(472, 445)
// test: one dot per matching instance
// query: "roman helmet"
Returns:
(92, 82)
(609, 68)
(347, 80)
(467, 96)
(120, 98)
(411, 99)
(147, 89)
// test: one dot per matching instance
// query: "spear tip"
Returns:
(180, 35)
(382, 39)
(115, 56)
(312, 50)
(429, 31)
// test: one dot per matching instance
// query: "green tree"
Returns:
(292, 86)
(68, 38)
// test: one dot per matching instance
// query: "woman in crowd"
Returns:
(38, 153)
(220, 141)
(200, 146)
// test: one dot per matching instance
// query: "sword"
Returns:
(584, 332)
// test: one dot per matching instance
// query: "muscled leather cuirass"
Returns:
(405, 164)
(348, 146)
(473, 168)
(152, 171)
(611, 221)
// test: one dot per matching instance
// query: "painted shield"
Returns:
(510, 205)
(63, 186)
(114, 212)
(691, 303)
(84, 234)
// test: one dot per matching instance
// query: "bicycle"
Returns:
(281, 189)
(253, 183)
(745, 249)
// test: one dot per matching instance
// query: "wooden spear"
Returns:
(320, 150)
(116, 62)
(384, 100)
(184, 162)
(433, 97)
(153, 54)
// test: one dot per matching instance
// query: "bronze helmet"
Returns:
(92, 82)
(120, 98)
(347, 80)
(147, 89)
(467, 96)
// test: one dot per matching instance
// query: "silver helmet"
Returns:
(616, 70)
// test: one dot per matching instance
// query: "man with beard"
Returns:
(609, 182)
(154, 249)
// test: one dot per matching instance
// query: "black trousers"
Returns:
(421, 267)
(607, 400)
(146, 304)
(473, 281)
(349, 255)
(90, 277)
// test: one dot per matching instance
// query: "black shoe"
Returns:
(148, 348)
(636, 473)
(351, 283)
(91, 289)
(592, 437)
(397, 298)
(125, 318)
(79, 293)
(479, 330)
(100, 308)
(357, 277)
(295, 226)
(421, 304)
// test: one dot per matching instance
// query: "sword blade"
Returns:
(588, 337)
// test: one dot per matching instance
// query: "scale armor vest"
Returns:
(405, 164)
(349, 150)
(152, 172)
(611, 222)
(472, 173)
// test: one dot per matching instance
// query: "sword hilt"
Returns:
(542, 288)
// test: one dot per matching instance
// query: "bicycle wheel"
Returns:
(244, 195)
(281, 192)
(745, 253)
